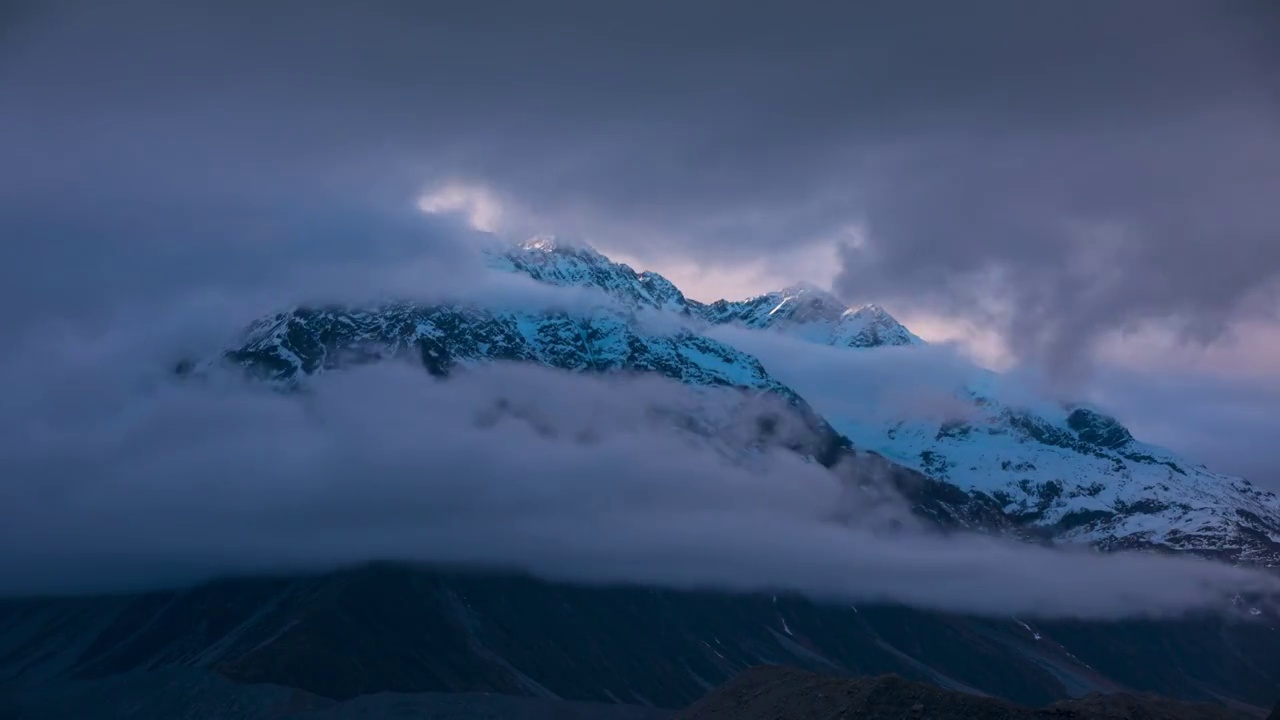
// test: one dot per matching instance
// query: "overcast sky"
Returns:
(1087, 187)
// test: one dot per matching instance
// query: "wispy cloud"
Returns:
(117, 478)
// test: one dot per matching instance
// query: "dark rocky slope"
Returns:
(193, 694)
(398, 629)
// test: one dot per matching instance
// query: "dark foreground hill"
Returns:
(780, 693)
(193, 694)
(397, 629)
(764, 693)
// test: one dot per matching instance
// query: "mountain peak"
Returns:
(554, 245)
(545, 243)
(812, 313)
(804, 287)
(555, 261)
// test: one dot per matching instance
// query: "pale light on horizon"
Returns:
(477, 203)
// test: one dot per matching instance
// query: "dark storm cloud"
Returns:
(1105, 162)
(1078, 235)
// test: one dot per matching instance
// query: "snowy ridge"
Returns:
(307, 341)
(735, 406)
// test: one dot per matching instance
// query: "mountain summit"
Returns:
(556, 262)
(803, 310)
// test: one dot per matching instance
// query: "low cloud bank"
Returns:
(884, 385)
(117, 478)
(1221, 422)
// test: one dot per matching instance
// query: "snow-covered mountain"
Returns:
(1076, 475)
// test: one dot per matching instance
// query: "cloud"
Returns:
(1219, 419)
(1122, 231)
(119, 478)
(881, 385)
(1039, 148)
(1226, 423)
(172, 173)
(482, 211)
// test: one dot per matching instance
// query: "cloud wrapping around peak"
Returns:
(1224, 423)
(1082, 168)
(118, 479)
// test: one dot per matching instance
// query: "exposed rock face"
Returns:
(779, 693)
